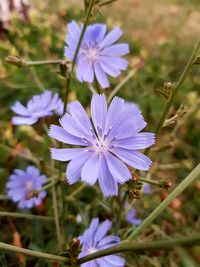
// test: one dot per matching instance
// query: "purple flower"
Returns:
(131, 217)
(38, 106)
(146, 189)
(98, 54)
(95, 239)
(22, 182)
(114, 139)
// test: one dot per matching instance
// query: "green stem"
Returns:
(19, 62)
(178, 86)
(25, 216)
(107, 2)
(89, 10)
(47, 186)
(149, 181)
(4, 246)
(127, 246)
(120, 85)
(163, 205)
(121, 207)
(76, 192)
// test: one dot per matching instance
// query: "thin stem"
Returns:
(127, 246)
(47, 186)
(19, 62)
(121, 207)
(32, 253)
(25, 216)
(89, 10)
(107, 2)
(56, 216)
(77, 191)
(120, 85)
(149, 181)
(175, 90)
(163, 205)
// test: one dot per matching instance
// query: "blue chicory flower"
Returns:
(130, 215)
(38, 106)
(114, 139)
(95, 239)
(146, 188)
(98, 54)
(23, 182)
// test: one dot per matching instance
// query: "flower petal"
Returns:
(133, 158)
(112, 37)
(23, 120)
(106, 181)
(98, 112)
(61, 135)
(88, 75)
(90, 170)
(73, 172)
(65, 154)
(20, 109)
(116, 50)
(101, 76)
(139, 141)
(101, 231)
(118, 169)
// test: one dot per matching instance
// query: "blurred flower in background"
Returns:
(98, 55)
(38, 106)
(21, 183)
(95, 239)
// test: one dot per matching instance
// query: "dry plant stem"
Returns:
(107, 2)
(87, 18)
(26, 216)
(163, 205)
(125, 246)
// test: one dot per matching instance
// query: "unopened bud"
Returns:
(16, 61)
(166, 184)
(197, 60)
(134, 193)
(74, 245)
(63, 68)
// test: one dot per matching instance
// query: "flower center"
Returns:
(100, 145)
(29, 185)
(92, 54)
(91, 250)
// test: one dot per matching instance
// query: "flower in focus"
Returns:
(98, 54)
(95, 239)
(38, 106)
(114, 139)
(23, 182)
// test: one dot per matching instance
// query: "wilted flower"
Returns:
(94, 239)
(98, 54)
(114, 139)
(38, 106)
(22, 183)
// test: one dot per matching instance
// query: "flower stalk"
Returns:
(163, 205)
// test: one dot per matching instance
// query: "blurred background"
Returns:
(161, 35)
